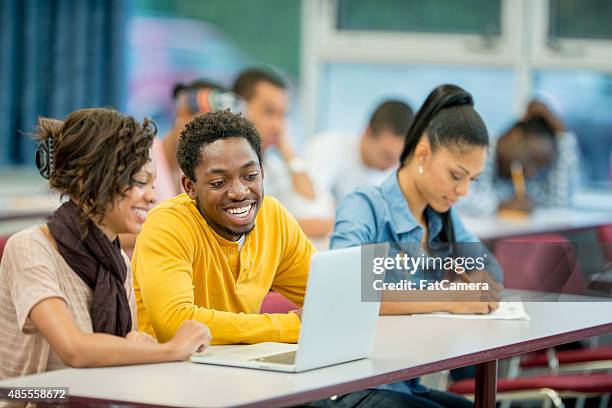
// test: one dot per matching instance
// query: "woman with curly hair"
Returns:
(66, 294)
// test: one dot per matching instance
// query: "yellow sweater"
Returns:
(183, 270)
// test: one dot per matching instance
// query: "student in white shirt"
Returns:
(340, 164)
(285, 173)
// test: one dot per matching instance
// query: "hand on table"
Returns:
(482, 276)
(190, 338)
(482, 301)
(524, 204)
(473, 307)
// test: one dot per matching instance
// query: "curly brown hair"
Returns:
(96, 154)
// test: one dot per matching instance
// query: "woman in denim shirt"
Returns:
(445, 149)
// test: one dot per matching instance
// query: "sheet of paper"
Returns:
(507, 311)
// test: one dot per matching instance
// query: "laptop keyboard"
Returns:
(282, 358)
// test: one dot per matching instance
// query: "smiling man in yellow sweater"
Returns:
(213, 253)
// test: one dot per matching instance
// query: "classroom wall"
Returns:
(336, 82)
(180, 41)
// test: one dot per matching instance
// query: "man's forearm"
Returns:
(229, 327)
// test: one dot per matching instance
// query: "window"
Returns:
(357, 52)
(450, 16)
(345, 107)
(571, 34)
(587, 19)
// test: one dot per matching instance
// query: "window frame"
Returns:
(523, 46)
(565, 53)
(410, 47)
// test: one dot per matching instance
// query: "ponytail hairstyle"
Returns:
(449, 119)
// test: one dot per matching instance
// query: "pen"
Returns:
(518, 179)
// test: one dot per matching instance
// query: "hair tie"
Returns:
(150, 126)
(44, 157)
(466, 100)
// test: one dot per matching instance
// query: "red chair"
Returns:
(548, 263)
(604, 233)
(602, 282)
(544, 387)
(595, 358)
(542, 263)
(276, 303)
(3, 240)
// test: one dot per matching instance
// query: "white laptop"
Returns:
(337, 326)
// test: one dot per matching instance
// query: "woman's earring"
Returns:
(420, 169)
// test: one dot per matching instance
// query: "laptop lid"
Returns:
(337, 325)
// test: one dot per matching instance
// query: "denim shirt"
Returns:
(381, 214)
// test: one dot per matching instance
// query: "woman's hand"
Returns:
(473, 307)
(190, 338)
(524, 204)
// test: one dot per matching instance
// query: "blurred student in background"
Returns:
(286, 174)
(534, 164)
(341, 163)
(444, 150)
(66, 291)
(190, 99)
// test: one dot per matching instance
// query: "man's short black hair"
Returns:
(394, 115)
(244, 86)
(194, 86)
(208, 128)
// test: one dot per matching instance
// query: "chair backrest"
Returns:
(604, 233)
(3, 240)
(276, 303)
(543, 263)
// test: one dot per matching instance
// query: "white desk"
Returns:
(406, 347)
(541, 221)
(593, 199)
(28, 206)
